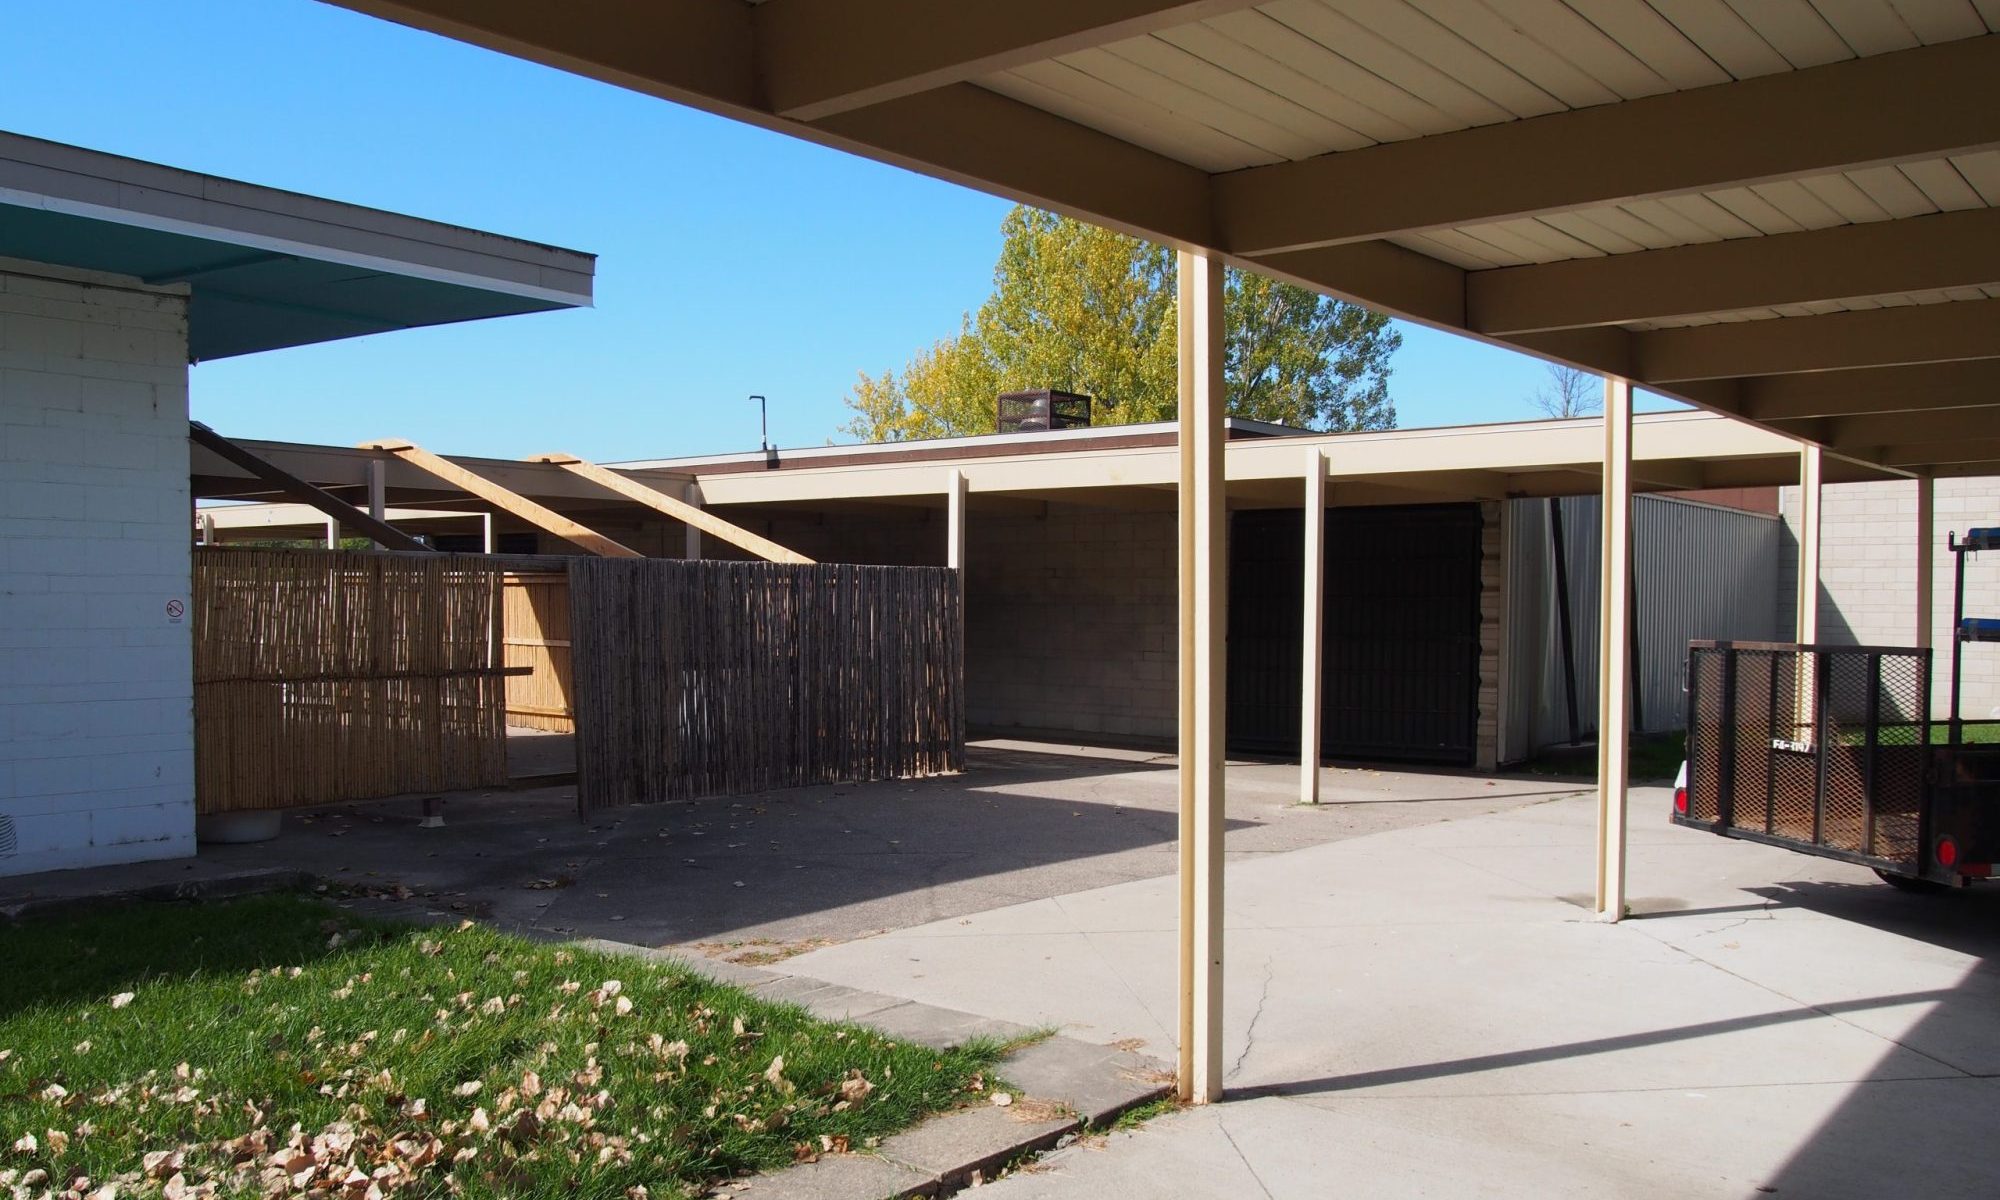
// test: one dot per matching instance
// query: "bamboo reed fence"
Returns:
(536, 630)
(722, 678)
(328, 675)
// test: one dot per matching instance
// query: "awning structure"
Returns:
(1781, 212)
(266, 268)
(1784, 212)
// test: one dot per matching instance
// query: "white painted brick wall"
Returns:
(96, 686)
(1868, 560)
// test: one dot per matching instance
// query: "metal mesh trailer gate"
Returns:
(1816, 746)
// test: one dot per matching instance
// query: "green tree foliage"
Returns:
(1085, 309)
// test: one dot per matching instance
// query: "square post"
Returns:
(1312, 630)
(332, 534)
(1203, 594)
(1926, 548)
(954, 505)
(1807, 623)
(954, 553)
(378, 491)
(1614, 645)
(691, 547)
(486, 531)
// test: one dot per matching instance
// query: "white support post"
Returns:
(1614, 674)
(954, 551)
(1203, 593)
(332, 534)
(1312, 627)
(378, 490)
(208, 529)
(1807, 627)
(954, 542)
(691, 549)
(486, 531)
(1926, 549)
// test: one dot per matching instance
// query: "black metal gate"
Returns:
(1400, 666)
(1811, 746)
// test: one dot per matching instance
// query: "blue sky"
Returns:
(731, 261)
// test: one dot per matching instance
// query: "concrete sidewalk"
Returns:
(1429, 1011)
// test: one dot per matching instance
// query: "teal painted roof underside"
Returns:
(267, 269)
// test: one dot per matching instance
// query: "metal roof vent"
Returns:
(7, 842)
(1041, 410)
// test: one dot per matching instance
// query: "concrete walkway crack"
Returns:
(1247, 1164)
(1256, 1015)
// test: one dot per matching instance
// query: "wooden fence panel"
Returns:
(721, 678)
(322, 676)
(536, 626)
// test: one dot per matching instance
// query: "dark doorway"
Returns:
(1400, 670)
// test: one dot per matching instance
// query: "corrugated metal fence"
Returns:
(1699, 571)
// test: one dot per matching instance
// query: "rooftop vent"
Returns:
(1042, 410)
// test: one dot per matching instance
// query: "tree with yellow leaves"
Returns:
(1084, 309)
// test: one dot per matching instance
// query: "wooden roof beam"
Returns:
(1922, 103)
(292, 487)
(680, 510)
(501, 498)
(1971, 383)
(821, 57)
(1881, 337)
(1916, 254)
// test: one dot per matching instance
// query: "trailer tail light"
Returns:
(1681, 801)
(1947, 851)
(1976, 870)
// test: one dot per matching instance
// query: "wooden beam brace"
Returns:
(501, 498)
(1908, 428)
(298, 489)
(1926, 102)
(1881, 337)
(1674, 475)
(680, 510)
(1880, 258)
(821, 57)
(989, 142)
(1973, 383)
(1964, 451)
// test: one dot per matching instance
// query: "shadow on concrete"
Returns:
(793, 866)
(1889, 1124)
(1567, 1050)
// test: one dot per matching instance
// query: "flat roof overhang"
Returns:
(1789, 213)
(266, 268)
(1130, 468)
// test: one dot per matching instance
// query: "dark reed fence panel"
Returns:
(322, 676)
(721, 678)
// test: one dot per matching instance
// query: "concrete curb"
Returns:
(1065, 1085)
(252, 882)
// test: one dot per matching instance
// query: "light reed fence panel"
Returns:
(537, 636)
(322, 676)
(722, 678)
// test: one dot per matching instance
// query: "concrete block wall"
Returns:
(96, 679)
(1071, 622)
(1492, 632)
(1867, 591)
(1069, 613)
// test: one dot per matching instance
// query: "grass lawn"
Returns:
(277, 1046)
(1655, 758)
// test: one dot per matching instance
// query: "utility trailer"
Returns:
(1831, 750)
